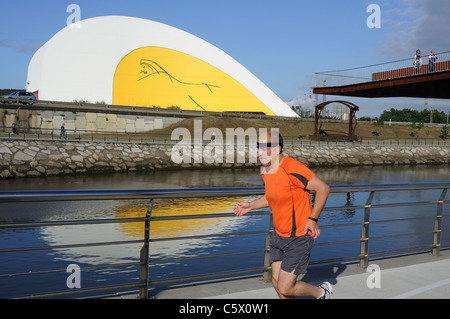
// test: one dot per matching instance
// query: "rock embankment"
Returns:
(22, 158)
(349, 155)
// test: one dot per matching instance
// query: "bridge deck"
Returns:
(427, 85)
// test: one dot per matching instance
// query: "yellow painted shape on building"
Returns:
(161, 77)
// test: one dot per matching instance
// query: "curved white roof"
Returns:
(80, 63)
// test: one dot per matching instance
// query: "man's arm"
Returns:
(322, 190)
(243, 208)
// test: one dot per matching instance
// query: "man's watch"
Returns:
(314, 219)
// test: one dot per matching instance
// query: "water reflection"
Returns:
(140, 180)
(83, 234)
(180, 227)
(177, 207)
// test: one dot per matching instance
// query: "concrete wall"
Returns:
(83, 121)
(44, 158)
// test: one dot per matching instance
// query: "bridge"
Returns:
(393, 79)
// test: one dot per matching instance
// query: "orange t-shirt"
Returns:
(288, 197)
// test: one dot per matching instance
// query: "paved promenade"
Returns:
(414, 276)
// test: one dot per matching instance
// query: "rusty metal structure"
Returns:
(323, 135)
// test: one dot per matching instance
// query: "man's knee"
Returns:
(285, 287)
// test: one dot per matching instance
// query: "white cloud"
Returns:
(25, 48)
(306, 103)
(417, 24)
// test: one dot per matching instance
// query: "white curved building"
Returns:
(136, 62)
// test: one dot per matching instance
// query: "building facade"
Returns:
(136, 62)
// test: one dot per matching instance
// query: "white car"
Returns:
(20, 96)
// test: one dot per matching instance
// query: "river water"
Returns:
(60, 259)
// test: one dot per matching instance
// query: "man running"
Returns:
(287, 192)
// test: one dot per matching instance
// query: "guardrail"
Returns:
(126, 109)
(21, 100)
(144, 261)
(33, 133)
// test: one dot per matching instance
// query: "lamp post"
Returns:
(431, 114)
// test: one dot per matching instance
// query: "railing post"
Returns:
(438, 224)
(364, 253)
(144, 255)
(267, 275)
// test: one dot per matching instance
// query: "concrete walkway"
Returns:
(414, 276)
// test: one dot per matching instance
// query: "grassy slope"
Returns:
(304, 128)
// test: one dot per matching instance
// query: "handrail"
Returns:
(74, 195)
(63, 195)
(151, 194)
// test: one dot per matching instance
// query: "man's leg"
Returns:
(288, 287)
(276, 265)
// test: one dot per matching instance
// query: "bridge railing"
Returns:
(369, 206)
(381, 71)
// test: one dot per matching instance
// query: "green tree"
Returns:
(445, 131)
(414, 116)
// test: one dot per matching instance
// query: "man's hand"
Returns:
(241, 209)
(312, 227)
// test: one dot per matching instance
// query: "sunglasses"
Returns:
(266, 145)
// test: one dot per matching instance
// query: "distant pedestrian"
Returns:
(63, 132)
(14, 129)
(417, 62)
(432, 62)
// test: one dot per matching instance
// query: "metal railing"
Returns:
(399, 141)
(33, 133)
(144, 259)
(156, 138)
(381, 71)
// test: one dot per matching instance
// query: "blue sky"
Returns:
(282, 42)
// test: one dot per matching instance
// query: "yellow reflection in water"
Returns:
(176, 207)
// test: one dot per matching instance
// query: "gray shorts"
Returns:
(293, 252)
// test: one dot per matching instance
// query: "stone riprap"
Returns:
(353, 155)
(22, 158)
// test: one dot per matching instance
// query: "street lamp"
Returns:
(431, 114)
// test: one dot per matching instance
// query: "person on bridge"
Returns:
(432, 62)
(417, 62)
(287, 192)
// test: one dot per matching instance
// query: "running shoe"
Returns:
(327, 290)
